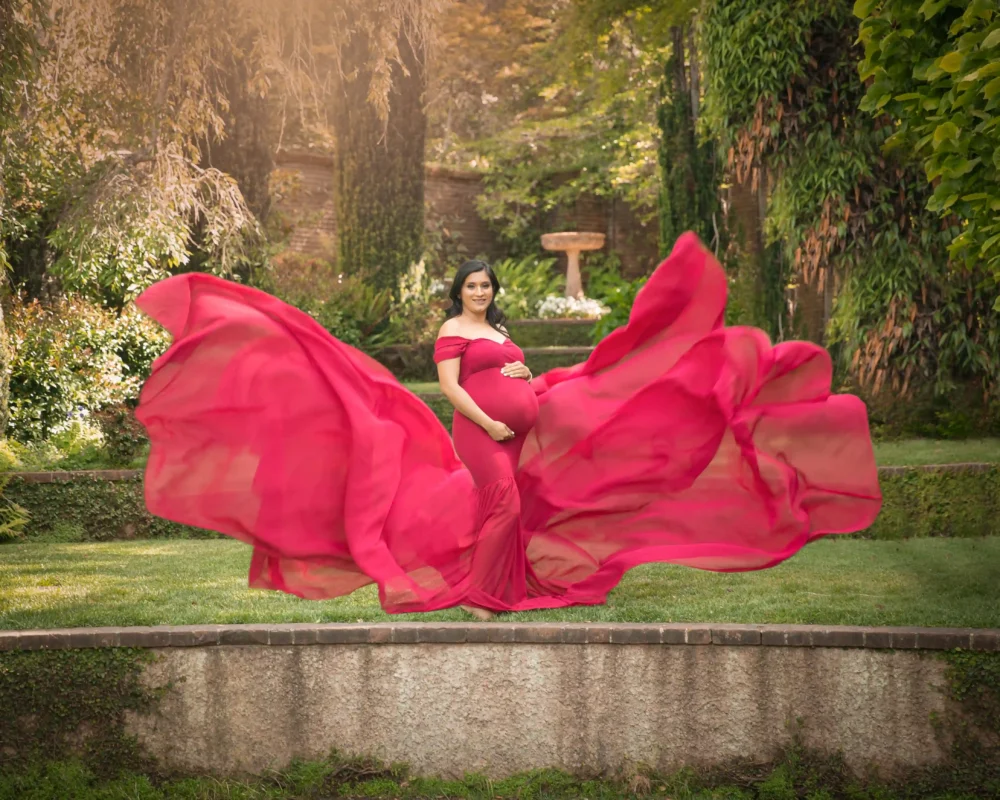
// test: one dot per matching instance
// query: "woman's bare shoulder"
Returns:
(451, 327)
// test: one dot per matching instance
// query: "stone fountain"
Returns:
(572, 244)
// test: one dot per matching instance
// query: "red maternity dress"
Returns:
(679, 440)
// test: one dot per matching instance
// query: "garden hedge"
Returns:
(90, 509)
(955, 501)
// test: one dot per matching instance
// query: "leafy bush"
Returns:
(525, 283)
(88, 509)
(123, 436)
(348, 306)
(606, 285)
(72, 357)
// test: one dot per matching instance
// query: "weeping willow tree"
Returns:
(145, 136)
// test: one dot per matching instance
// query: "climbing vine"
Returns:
(783, 94)
(73, 703)
(689, 188)
(379, 160)
(934, 68)
(90, 510)
(973, 682)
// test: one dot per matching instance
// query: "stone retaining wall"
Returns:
(502, 698)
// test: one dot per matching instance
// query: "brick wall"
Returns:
(303, 195)
(451, 199)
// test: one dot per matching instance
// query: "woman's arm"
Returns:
(457, 396)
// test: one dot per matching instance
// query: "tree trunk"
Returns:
(246, 152)
(689, 191)
(5, 359)
(379, 166)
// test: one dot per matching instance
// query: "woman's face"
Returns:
(477, 292)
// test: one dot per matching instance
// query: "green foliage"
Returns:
(918, 503)
(913, 321)
(934, 68)
(73, 703)
(756, 288)
(580, 122)
(972, 729)
(5, 357)
(13, 517)
(796, 773)
(351, 306)
(526, 282)
(783, 95)
(18, 51)
(552, 333)
(443, 246)
(94, 510)
(124, 438)
(86, 442)
(607, 285)
(974, 680)
(71, 356)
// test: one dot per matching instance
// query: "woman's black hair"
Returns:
(494, 316)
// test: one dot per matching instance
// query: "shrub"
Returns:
(123, 436)
(525, 283)
(88, 509)
(72, 357)
(614, 292)
(350, 307)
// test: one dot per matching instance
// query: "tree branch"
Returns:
(176, 46)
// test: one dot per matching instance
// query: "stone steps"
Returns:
(542, 359)
(552, 332)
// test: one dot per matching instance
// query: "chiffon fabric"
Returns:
(679, 440)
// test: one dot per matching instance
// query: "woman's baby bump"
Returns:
(508, 400)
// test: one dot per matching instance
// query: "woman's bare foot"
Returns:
(479, 613)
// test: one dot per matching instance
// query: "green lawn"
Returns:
(909, 452)
(936, 582)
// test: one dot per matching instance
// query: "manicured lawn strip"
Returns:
(930, 582)
(912, 452)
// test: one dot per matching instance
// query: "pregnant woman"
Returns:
(678, 440)
(482, 373)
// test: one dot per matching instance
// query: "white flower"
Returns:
(412, 284)
(557, 307)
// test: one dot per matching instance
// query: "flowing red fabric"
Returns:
(679, 440)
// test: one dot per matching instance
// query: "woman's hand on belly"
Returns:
(516, 369)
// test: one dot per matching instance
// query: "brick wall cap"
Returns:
(548, 633)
